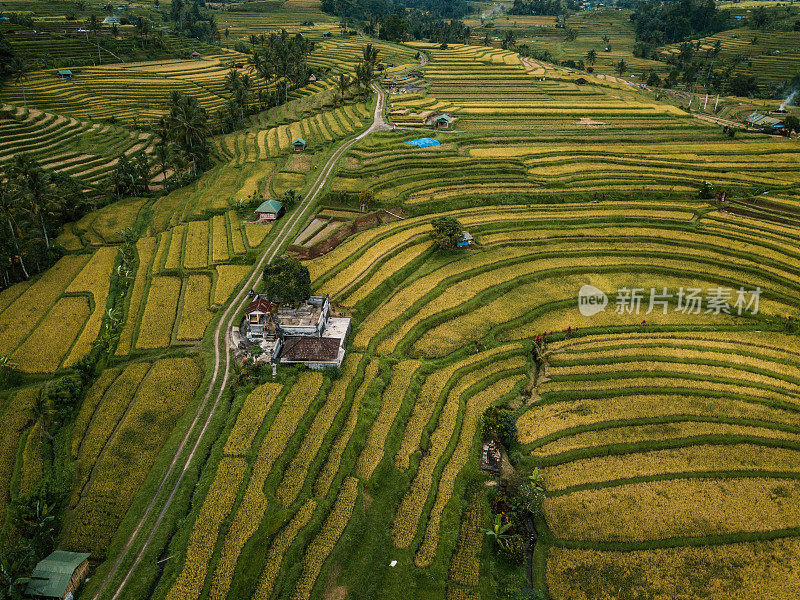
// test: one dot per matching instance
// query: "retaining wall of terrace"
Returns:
(362, 223)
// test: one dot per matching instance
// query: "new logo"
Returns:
(591, 300)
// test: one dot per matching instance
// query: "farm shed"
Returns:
(58, 574)
(299, 144)
(465, 239)
(195, 54)
(64, 74)
(270, 210)
(758, 120)
(326, 34)
(443, 121)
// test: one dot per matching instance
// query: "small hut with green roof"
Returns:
(58, 574)
(270, 210)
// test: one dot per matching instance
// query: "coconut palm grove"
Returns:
(400, 299)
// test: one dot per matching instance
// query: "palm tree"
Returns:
(591, 57)
(187, 125)
(509, 41)
(36, 181)
(20, 68)
(93, 25)
(232, 80)
(7, 366)
(142, 27)
(166, 157)
(41, 412)
(370, 54)
(498, 532)
(343, 84)
(7, 204)
(364, 76)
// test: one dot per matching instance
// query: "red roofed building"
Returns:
(303, 333)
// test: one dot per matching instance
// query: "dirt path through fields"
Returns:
(221, 371)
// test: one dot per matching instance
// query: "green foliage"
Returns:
(667, 22)
(653, 80)
(507, 430)
(446, 231)
(289, 199)
(64, 396)
(287, 280)
(186, 126)
(131, 177)
(490, 422)
(515, 593)
(706, 191)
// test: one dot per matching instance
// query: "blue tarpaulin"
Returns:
(424, 142)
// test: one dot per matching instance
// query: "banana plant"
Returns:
(498, 532)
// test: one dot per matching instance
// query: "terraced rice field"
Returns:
(766, 55)
(129, 92)
(85, 150)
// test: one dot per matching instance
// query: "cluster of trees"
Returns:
(659, 23)
(446, 232)
(180, 154)
(282, 56)
(397, 21)
(286, 280)
(183, 134)
(34, 203)
(364, 73)
(543, 7)
(374, 11)
(189, 20)
(438, 31)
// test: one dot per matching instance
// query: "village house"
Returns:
(296, 334)
(270, 210)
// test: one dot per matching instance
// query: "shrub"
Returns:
(446, 231)
(287, 280)
(64, 396)
(513, 550)
(507, 430)
(706, 191)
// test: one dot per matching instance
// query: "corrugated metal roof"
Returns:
(763, 120)
(297, 141)
(270, 206)
(52, 574)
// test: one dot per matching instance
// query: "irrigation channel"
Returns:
(181, 461)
